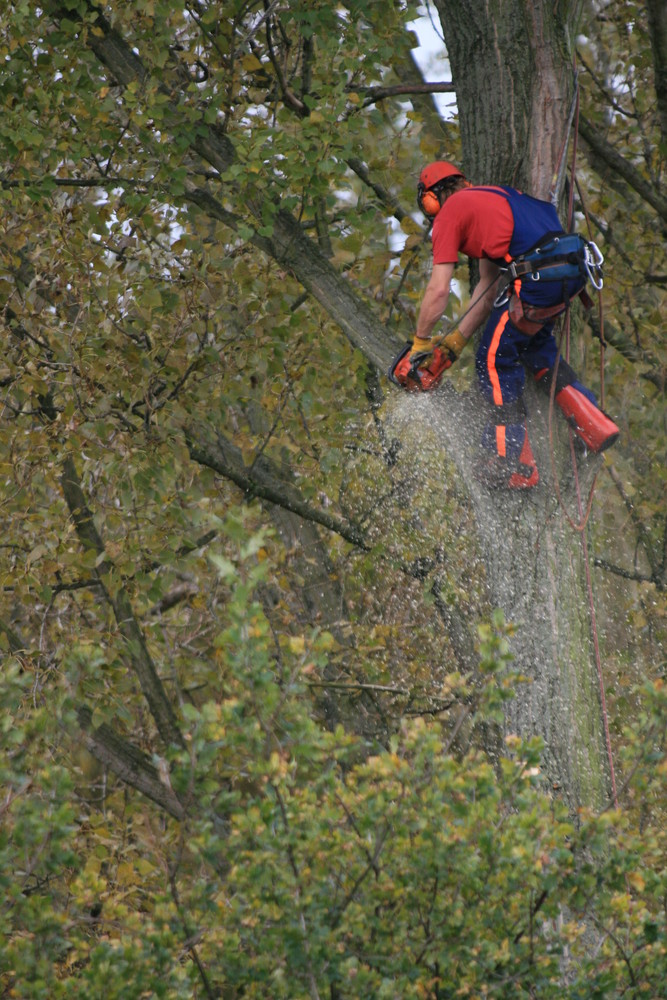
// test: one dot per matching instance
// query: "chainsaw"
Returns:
(407, 375)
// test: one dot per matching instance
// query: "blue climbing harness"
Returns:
(559, 257)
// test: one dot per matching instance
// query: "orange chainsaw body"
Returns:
(402, 372)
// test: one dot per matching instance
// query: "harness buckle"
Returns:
(593, 261)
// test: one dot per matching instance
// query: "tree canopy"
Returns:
(264, 728)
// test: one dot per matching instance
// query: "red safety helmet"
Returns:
(432, 175)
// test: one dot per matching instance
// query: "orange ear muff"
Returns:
(429, 203)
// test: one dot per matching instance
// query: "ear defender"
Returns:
(428, 201)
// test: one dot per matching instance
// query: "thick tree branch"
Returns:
(377, 93)
(405, 68)
(128, 763)
(374, 94)
(263, 481)
(622, 167)
(142, 663)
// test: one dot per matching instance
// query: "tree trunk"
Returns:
(514, 83)
(515, 93)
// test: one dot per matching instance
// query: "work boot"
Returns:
(496, 472)
(526, 475)
(591, 424)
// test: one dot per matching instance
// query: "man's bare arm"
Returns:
(435, 299)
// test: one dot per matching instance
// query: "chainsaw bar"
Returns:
(402, 373)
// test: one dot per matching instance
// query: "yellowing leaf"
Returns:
(251, 63)
(636, 881)
(408, 225)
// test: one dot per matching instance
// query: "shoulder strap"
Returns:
(493, 189)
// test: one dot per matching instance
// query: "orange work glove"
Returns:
(454, 343)
(422, 349)
(422, 352)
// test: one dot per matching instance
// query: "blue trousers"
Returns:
(504, 356)
(505, 353)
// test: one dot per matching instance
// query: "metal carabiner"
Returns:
(502, 297)
(504, 293)
(593, 261)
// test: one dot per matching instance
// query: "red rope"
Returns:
(603, 343)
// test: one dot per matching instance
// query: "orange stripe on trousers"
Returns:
(491, 359)
(495, 381)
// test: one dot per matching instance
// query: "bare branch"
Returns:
(631, 352)
(387, 199)
(142, 663)
(643, 537)
(625, 574)
(128, 763)
(622, 167)
(264, 481)
(397, 90)
(289, 97)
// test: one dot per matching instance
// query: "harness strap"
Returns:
(559, 256)
(518, 268)
(586, 300)
(529, 319)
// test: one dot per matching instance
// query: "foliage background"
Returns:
(253, 737)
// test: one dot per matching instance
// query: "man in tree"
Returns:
(520, 238)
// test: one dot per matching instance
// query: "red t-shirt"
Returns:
(475, 222)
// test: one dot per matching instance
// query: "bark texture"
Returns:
(515, 85)
(657, 19)
(536, 575)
